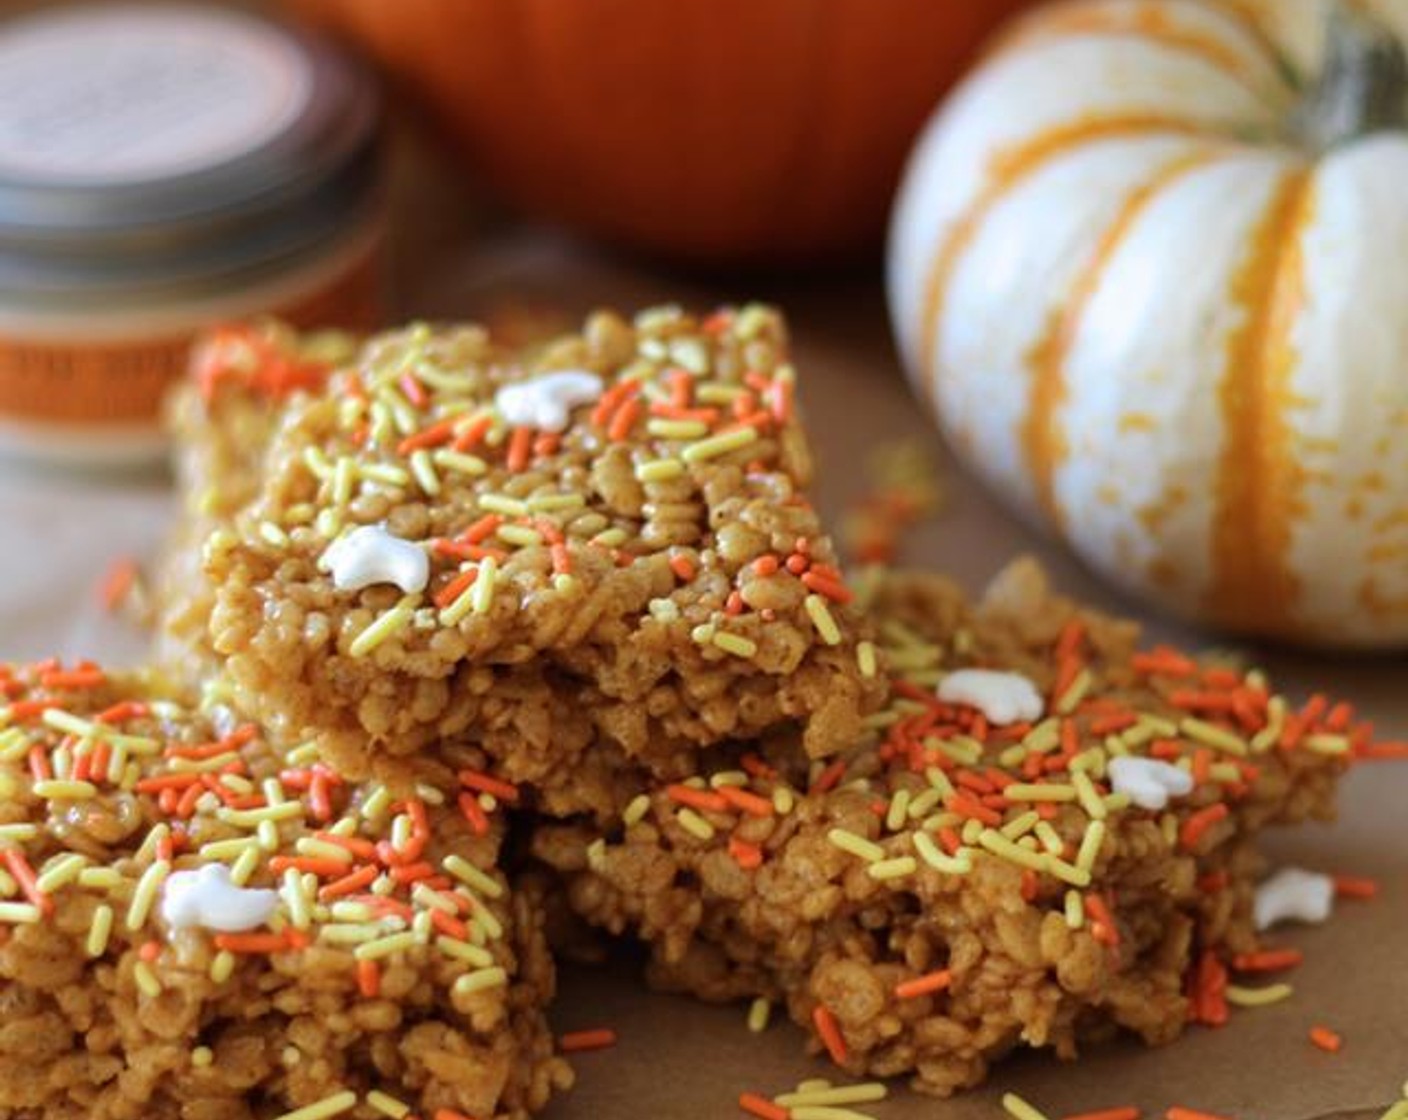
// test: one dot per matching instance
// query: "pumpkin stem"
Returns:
(1364, 85)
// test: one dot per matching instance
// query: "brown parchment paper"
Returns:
(678, 1060)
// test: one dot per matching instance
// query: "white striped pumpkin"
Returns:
(1152, 318)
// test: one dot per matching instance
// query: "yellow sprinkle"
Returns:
(923, 803)
(472, 876)
(1398, 1111)
(145, 895)
(423, 467)
(1067, 873)
(457, 610)
(636, 810)
(866, 659)
(1044, 737)
(596, 854)
(463, 951)
(321, 849)
(721, 444)
(735, 644)
(1090, 845)
(856, 845)
(663, 428)
(459, 462)
(66, 722)
(222, 967)
(896, 868)
(1075, 909)
(202, 1057)
(272, 535)
(351, 933)
(1075, 692)
(759, 1015)
(1033, 791)
(344, 479)
(99, 931)
(971, 831)
(825, 624)
(659, 470)
(611, 538)
(694, 824)
(826, 1112)
(940, 860)
(296, 899)
(1087, 795)
(502, 503)
(61, 872)
(1325, 744)
(1019, 1109)
(520, 536)
(1003, 848)
(19, 913)
(737, 779)
(1020, 825)
(783, 800)
(384, 946)
(1257, 997)
(898, 811)
(1050, 839)
(329, 1106)
(384, 473)
(377, 802)
(146, 979)
(387, 1105)
(384, 626)
(489, 925)
(864, 1093)
(55, 790)
(1270, 735)
(102, 878)
(482, 593)
(480, 980)
(1209, 734)
(251, 818)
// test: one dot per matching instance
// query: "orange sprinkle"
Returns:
(1177, 1112)
(73, 679)
(827, 587)
(797, 564)
(766, 565)
(473, 433)
(482, 529)
(561, 558)
(121, 712)
(319, 799)
(1128, 1112)
(257, 942)
(683, 568)
(747, 856)
(829, 1031)
(311, 865)
(1347, 886)
(1381, 752)
(1069, 641)
(575, 1042)
(353, 881)
(624, 420)
(755, 766)
(733, 605)
(23, 874)
(117, 584)
(1030, 885)
(520, 449)
(1101, 917)
(1267, 960)
(455, 588)
(433, 436)
(703, 800)
(487, 783)
(749, 803)
(1197, 825)
(829, 777)
(1326, 1039)
(39, 767)
(449, 1114)
(368, 979)
(761, 1107)
(450, 926)
(925, 985)
(474, 813)
(610, 400)
(149, 951)
(1164, 661)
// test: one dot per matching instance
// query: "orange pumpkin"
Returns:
(719, 131)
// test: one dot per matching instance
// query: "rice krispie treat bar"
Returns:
(1047, 836)
(605, 545)
(194, 925)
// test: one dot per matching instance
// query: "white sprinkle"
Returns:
(208, 898)
(1293, 894)
(546, 402)
(1002, 697)
(369, 555)
(1149, 782)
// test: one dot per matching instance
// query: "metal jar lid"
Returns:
(149, 149)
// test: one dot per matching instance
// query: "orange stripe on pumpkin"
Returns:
(1042, 440)
(1258, 486)
(1153, 22)
(1006, 171)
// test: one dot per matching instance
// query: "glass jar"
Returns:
(163, 168)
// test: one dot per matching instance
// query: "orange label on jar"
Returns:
(123, 382)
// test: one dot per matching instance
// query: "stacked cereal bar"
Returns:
(595, 554)
(195, 924)
(1046, 834)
